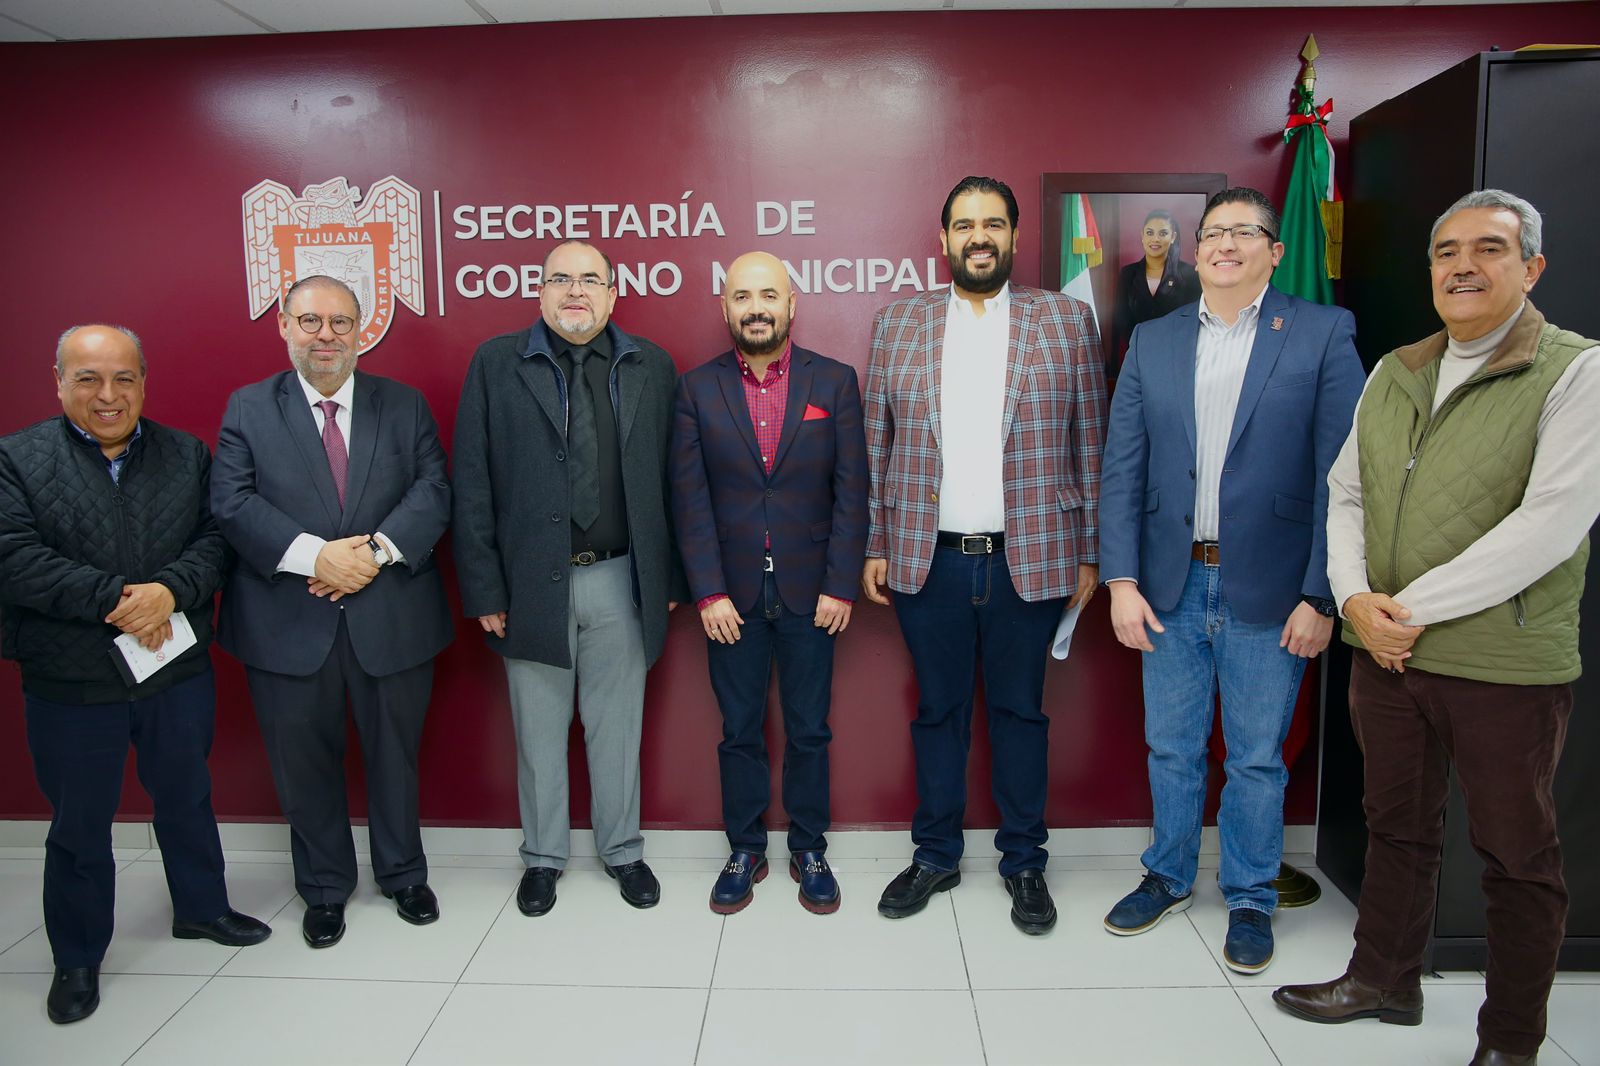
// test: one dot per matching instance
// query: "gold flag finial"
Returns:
(1308, 76)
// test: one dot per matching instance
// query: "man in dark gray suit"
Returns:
(565, 555)
(337, 594)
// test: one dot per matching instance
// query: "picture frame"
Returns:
(1094, 238)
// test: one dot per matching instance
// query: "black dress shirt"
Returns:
(610, 529)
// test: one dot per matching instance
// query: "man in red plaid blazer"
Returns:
(985, 409)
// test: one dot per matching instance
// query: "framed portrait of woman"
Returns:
(1124, 244)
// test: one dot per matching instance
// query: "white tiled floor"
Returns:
(595, 981)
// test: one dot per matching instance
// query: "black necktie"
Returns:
(581, 442)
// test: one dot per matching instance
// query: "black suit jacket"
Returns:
(1136, 304)
(270, 482)
(814, 503)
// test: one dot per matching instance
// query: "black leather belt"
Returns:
(972, 543)
(587, 558)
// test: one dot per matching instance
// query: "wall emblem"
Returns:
(375, 248)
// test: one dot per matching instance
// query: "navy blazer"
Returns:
(270, 482)
(1295, 410)
(814, 504)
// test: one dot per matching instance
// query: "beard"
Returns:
(574, 324)
(320, 374)
(981, 284)
(773, 341)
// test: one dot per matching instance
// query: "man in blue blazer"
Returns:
(769, 500)
(331, 487)
(1224, 423)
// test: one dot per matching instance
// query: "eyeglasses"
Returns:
(340, 324)
(588, 283)
(1213, 234)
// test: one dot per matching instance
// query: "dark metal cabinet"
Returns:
(1521, 121)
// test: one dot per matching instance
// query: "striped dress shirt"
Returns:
(1221, 357)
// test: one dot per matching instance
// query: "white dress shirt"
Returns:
(1558, 506)
(1220, 359)
(301, 558)
(972, 407)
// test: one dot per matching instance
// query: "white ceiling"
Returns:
(81, 20)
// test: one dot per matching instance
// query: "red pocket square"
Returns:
(813, 411)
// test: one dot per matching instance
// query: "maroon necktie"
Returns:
(333, 443)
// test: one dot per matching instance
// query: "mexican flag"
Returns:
(1313, 212)
(1080, 250)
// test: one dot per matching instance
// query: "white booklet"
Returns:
(137, 663)
(1064, 629)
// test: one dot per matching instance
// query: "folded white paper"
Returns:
(142, 662)
(1069, 622)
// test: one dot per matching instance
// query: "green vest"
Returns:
(1432, 483)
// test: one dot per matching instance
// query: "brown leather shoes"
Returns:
(1488, 1056)
(1347, 999)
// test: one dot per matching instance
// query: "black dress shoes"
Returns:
(1488, 1056)
(74, 994)
(415, 903)
(537, 892)
(909, 892)
(1347, 999)
(639, 886)
(1032, 909)
(232, 930)
(323, 924)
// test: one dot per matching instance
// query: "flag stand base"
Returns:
(1296, 888)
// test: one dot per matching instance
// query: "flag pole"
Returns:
(1307, 186)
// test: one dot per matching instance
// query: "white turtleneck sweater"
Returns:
(1559, 506)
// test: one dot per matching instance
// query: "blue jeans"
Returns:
(1205, 645)
(739, 675)
(969, 609)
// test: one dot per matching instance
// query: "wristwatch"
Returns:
(380, 554)
(1323, 606)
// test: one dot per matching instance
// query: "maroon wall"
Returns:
(122, 199)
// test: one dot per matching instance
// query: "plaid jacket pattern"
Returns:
(1054, 426)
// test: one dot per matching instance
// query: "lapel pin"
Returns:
(1277, 322)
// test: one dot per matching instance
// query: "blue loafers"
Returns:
(1143, 908)
(1248, 948)
(735, 886)
(819, 891)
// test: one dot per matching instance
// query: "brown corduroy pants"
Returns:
(1505, 742)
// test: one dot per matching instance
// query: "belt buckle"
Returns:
(766, 565)
(585, 558)
(977, 544)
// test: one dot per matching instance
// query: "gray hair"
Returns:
(322, 281)
(61, 344)
(1531, 228)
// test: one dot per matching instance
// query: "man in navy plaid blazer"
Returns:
(985, 412)
(769, 499)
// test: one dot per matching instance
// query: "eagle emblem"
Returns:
(375, 248)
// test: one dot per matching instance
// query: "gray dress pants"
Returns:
(607, 644)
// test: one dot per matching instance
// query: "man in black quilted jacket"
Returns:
(105, 531)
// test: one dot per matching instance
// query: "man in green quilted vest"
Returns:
(1458, 521)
